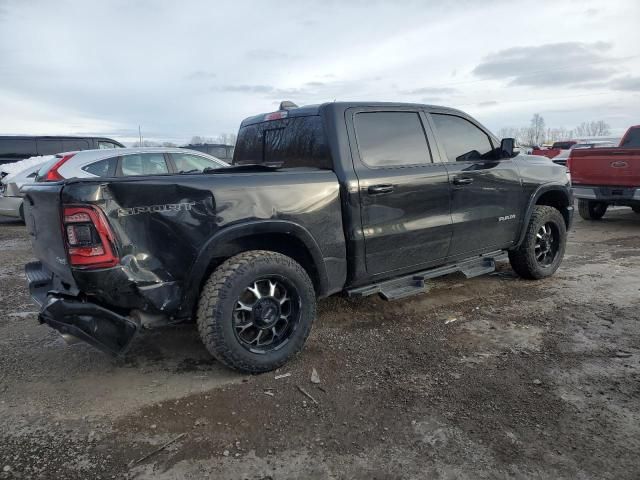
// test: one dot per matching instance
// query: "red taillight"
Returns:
(89, 238)
(53, 175)
(276, 115)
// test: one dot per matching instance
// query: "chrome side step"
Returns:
(415, 283)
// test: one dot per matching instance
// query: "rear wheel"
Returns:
(256, 311)
(591, 209)
(542, 249)
(636, 208)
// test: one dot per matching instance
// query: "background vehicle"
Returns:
(361, 198)
(126, 162)
(102, 163)
(19, 147)
(556, 149)
(10, 196)
(218, 150)
(607, 176)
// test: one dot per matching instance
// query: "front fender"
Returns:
(566, 210)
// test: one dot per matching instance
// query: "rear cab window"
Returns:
(391, 139)
(287, 143)
(632, 138)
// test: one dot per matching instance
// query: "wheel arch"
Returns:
(553, 195)
(279, 236)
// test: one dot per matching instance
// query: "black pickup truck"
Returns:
(358, 198)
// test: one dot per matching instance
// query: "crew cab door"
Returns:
(404, 193)
(487, 198)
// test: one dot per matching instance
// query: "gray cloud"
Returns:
(553, 64)
(628, 83)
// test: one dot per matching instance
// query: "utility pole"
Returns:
(140, 135)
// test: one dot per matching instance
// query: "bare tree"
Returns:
(557, 134)
(598, 128)
(223, 138)
(536, 130)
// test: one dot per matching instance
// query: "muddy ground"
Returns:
(493, 377)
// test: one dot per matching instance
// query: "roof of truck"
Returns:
(307, 110)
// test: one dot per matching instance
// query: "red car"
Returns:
(607, 176)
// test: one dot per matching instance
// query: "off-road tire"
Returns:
(218, 299)
(523, 259)
(591, 209)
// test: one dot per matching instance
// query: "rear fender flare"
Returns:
(215, 245)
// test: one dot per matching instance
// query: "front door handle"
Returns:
(378, 189)
(462, 180)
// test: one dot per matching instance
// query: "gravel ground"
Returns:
(493, 377)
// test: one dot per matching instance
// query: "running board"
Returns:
(415, 283)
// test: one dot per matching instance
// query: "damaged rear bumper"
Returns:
(96, 325)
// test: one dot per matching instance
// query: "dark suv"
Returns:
(19, 147)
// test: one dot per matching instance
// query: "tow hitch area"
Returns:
(105, 330)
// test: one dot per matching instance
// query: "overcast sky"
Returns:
(188, 68)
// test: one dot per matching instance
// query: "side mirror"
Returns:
(507, 147)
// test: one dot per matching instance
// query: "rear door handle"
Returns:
(462, 180)
(378, 189)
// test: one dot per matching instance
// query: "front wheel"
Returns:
(256, 311)
(591, 210)
(542, 249)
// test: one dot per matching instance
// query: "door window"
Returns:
(462, 140)
(104, 145)
(144, 164)
(17, 148)
(391, 139)
(74, 145)
(49, 146)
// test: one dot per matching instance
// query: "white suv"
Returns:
(126, 162)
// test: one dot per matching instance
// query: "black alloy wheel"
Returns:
(547, 244)
(266, 314)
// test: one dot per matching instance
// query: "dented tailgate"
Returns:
(42, 214)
